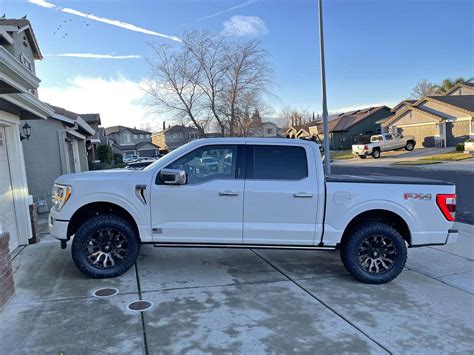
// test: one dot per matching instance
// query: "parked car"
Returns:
(140, 164)
(274, 195)
(130, 158)
(383, 143)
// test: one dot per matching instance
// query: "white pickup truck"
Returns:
(383, 143)
(258, 193)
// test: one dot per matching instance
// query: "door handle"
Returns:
(302, 194)
(228, 193)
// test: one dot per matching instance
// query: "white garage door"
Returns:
(7, 208)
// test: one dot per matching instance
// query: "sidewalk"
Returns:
(242, 301)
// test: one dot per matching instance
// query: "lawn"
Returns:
(341, 154)
(452, 156)
(416, 162)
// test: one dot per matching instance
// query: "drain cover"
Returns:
(106, 292)
(139, 306)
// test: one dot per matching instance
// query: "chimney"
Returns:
(164, 125)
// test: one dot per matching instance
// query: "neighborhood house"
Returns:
(173, 137)
(19, 103)
(436, 121)
(128, 141)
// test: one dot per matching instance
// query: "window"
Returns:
(135, 136)
(208, 163)
(127, 138)
(389, 137)
(269, 131)
(272, 162)
(141, 136)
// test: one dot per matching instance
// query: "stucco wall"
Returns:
(442, 110)
(463, 91)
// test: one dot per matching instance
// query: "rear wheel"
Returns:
(105, 246)
(362, 156)
(376, 154)
(374, 253)
(410, 146)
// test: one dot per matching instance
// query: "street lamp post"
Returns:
(327, 166)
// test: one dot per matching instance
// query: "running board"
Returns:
(241, 246)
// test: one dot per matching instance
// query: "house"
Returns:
(57, 146)
(173, 137)
(345, 129)
(19, 105)
(131, 141)
(437, 121)
(92, 142)
(265, 129)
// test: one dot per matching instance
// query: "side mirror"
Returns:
(173, 176)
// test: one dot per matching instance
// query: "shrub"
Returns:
(118, 158)
(105, 154)
(460, 147)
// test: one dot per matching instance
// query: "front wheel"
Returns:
(374, 253)
(410, 146)
(105, 246)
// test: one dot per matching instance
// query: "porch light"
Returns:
(26, 132)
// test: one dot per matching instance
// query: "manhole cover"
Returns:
(139, 306)
(106, 292)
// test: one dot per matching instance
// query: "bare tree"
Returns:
(246, 81)
(173, 86)
(423, 88)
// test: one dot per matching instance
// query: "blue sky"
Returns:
(376, 50)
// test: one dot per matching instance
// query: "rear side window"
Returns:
(276, 162)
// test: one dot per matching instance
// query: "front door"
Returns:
(7, 207)
(209, 207)
(281, 199)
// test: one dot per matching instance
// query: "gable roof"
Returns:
(71, 118)
(458, 86)
(23, 25)
(463, 102)
(177, 128)
(345, 121)
(91, 117)
(120, 129)
(403, 103)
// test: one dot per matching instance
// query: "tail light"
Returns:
(447, 205)
(366, 147)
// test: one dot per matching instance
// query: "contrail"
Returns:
(117, 23)
(95, 56)
(226, 10)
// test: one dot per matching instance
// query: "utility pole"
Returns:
(327, 167)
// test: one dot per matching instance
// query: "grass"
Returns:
(453, 156)
(416, 162)
(341, 154)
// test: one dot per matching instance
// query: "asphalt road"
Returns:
(464, 183)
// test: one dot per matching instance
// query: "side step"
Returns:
(241, 246)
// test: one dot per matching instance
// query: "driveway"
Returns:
(241, 301)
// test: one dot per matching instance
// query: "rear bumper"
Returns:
(453, 235)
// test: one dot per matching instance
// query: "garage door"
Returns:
(147, 153)
(457, 132)
(7, 208)
(424, 134)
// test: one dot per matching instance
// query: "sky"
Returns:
(95, 51)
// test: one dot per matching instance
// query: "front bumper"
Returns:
(57, 228)
(453, 235)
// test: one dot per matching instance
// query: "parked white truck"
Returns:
(383, 143)
(262, 193)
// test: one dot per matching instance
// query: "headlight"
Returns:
(60, 195)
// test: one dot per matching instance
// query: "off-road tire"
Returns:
(376, 154)
(410, 146)
(83, 237)
(351, 244)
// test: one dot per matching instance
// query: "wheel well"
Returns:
(388, 217)
(97, 208)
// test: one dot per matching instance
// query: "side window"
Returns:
(208, 163)
(388, 137)
(276, 162)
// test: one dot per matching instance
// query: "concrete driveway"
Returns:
(242, 301)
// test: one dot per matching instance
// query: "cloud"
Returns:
(224, 11)
(118, 100)
(95, 56)
(244, 26)
(93, 17)
(42, 3)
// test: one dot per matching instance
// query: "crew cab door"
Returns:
(208, 207)
(281, 201)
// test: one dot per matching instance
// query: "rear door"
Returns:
(280, 203)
